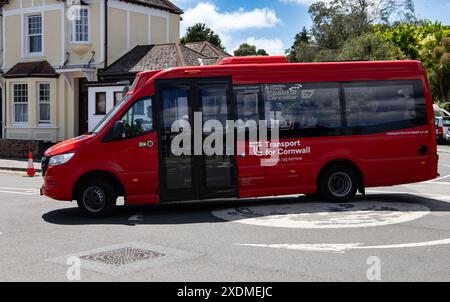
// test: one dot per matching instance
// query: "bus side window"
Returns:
(306, 109)
(247, 102)
(373, 107)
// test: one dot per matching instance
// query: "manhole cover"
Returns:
(122, 256)
(129, 257)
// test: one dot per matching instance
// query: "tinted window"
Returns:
(247, 101)
(303, 109)
(373, 107)
(446, 121)
(214, 103)
(175, 108)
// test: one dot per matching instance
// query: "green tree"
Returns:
(261, 52)
(246, 49)
(410, 36)
(440, 74)
(300, 50)
(200, 33)
(369, 47)
(337, 21)
(425, 41)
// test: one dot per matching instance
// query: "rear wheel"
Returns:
(96, 198)
(338, 184)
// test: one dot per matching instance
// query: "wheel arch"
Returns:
(348, 163)
(100, 174)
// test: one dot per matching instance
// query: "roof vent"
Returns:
(254, 60)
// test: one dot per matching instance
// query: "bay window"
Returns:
(44, 103)
(20, 103)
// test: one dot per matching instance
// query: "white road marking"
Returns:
(344, 247)
(437, 196)
(448, 166)
(139, 217)
(325, 215)
(19, 191)
(437, 183)
(15, 188)
(436, 179)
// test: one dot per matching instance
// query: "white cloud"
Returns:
(272, 46)
(225, 22)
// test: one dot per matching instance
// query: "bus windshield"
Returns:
(109, 116)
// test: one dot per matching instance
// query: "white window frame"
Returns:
(73, 32)
(13, 102)
(27, 35)
(39, 102)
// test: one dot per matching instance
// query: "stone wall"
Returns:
(20, 148)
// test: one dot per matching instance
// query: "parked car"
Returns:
(447, 135)
(442, 125)
(446, 126)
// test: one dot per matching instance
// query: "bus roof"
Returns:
(275, 69)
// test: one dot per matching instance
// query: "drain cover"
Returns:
(122, 256)
(129, 257)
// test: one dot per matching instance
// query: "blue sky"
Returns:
(271, 24)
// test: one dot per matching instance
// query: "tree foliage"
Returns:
(246, 49)
(337, 21)
(200, 33)
(369, 47)
(345, 30)
(440, 74)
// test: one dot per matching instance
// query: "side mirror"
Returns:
(118, 130)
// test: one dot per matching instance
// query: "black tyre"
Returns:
(96, 198)
(312, 196)
(338, 184)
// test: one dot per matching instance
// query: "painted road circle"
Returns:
(325, 215)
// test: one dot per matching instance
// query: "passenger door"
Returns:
(193, 175)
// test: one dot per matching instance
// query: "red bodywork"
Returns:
(384, 159)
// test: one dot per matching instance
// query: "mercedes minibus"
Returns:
(341, 127)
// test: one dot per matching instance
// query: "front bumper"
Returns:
(58, 184)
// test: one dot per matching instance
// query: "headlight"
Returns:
(60, 159)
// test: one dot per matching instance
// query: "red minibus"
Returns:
(343, 127)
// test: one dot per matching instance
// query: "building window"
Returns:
(100, 103)
(34, 38)
(118, 95)
(20, 103)
(44, 103)
(80, 26)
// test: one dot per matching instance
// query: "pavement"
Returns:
(17, 165)
(399, 233)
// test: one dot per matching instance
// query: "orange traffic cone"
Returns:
(30, 171)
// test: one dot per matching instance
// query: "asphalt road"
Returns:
(392, 234)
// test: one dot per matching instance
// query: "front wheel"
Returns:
(338, 184)
(96, 198)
